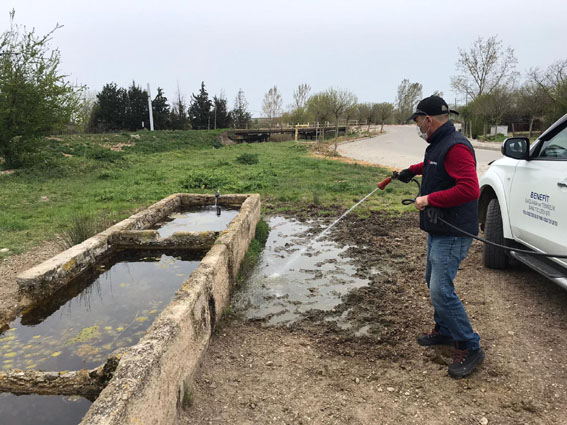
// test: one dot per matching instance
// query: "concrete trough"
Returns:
(153, 376)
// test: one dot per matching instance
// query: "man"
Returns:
(450, 185)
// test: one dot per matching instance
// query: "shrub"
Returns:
(247, 158)
(82, 227)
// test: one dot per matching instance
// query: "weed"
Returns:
(253, 254)
(82, 227)
(188, 399)
(262, 232)
(247, 158)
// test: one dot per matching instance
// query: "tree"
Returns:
(491, 107)
(319, 108)
(408, 96)
(199, 111)
(272, 105)
(160, 109)
(109, 112)
(86, 106)
(301, 95)
(553, 82)
(366, 113)
(240, 115)
(35, 98)
(531, 103)
(179, 118)
(298, 113)
(137, 113)
(382, 113)
(220, 117)
(340, 103)
(484, 68)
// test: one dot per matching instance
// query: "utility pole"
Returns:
(150, 109)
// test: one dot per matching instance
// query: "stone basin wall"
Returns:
(153, 376)
(46, 278)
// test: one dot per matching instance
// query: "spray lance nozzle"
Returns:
(382, 185)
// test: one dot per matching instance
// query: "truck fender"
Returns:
(492, 187)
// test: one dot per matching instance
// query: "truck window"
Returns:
(555, 148)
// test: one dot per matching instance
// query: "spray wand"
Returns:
(382, 185)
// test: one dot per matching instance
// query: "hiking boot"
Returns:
(434, 338)
(465, 361)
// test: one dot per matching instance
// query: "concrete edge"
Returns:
(153, 376)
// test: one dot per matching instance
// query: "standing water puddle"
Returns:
(197, 219)
(315, 280)
(104, 309)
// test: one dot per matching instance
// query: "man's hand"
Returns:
(421, 202)
(406, 175)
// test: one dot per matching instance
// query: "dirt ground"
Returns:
(315, 372)
(12, 266)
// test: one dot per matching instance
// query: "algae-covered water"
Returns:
(108, 308)
(197, 219)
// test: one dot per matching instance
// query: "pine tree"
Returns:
(109, 112)
(220, 117)
(178, 115)
(199, 111)
(161, 112)
(137, 109)
(240, 116)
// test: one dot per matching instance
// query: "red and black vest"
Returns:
(436, 178)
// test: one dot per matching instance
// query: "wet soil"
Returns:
(358, 363)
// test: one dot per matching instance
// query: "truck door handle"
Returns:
(561, 184)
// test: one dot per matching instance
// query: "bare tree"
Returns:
(553, 82)
(366, 113)
(532, 102)
(179, 108)
(408, 96)
(301, 95)
(298, 109)
(484, 68)
(382, 113)
(272, 105)
(341, 103)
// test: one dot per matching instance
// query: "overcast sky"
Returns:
(367, 47)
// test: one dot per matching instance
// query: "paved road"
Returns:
(400, 147)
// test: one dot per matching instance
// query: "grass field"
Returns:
(112, 175)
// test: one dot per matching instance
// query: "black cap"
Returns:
(432, 105)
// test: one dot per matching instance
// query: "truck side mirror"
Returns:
(516, 147)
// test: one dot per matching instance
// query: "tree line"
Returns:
(116, 108)
(36, 99)
(495, 92)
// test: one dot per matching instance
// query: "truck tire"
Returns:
(493, 257)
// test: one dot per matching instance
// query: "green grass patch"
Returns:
(114, 175)
(253, 254)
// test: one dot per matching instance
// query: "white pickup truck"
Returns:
(523, 203)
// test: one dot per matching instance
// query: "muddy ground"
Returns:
(315, 372)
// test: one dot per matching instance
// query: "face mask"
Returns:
(421, 134)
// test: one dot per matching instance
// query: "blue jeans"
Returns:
(444, 255)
